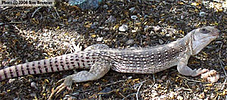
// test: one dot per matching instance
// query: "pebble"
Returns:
(101, 27)
(105, 6)
(94, 25)
(154, 93)
(130, 77)
(32, 95)
(123, 28)
(45, 34)
(106, 29)
(105, 90)
(134, 17)
(160, 41)
(180, 97)
(132, 9)
(99, 39)
(133, 31)
(69, 97)
(11, 80)
(130, 41)
(111, 19)
(163, 97)
(33, 84)
(156, 28)
(201, 14)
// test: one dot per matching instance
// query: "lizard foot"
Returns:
(197, 72)
(66, 84)
(211, 76)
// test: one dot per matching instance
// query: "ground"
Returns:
(34, 33)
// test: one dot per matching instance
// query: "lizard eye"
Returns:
(205, 31)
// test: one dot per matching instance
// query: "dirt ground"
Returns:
(34, 33)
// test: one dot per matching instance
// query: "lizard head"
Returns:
(201, 37)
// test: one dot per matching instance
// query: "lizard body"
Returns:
(99, 58)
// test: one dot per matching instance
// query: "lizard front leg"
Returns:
(183, 69)
(97, 70)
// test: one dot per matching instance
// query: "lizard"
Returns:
(99, 59)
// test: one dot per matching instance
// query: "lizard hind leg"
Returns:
(98, 70)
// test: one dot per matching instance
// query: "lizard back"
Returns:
(145, 60)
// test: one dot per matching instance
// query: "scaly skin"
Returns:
(100, 59)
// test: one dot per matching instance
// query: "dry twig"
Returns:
(138, 90)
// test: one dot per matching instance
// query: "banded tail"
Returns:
(56, 64)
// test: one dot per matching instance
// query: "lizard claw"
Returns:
(199, 72)
(66, 84)
(57, 90)
(76, 48)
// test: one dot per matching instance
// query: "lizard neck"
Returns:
(187, 42)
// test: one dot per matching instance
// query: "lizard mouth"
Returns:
(216, 33)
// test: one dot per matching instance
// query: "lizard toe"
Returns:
(199, 72)
(66, 84)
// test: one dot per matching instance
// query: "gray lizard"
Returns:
(99, 59)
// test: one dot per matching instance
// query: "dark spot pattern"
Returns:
(27, 67)
(5, 73)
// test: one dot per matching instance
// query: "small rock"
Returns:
(156, 28)
(201, 14)
(130, 41)
(154, 93)
(123, 28)
(111, 19)
(11, 80)
(105, 6)
(106, 29)
(69, 97)
(180, 98)
(99, 39)
(212, 96)
(32, 95)
(101, 27)
(86, 85)
(33, 84)
(133, 31)
(94, 25)
(75, 93)
(163, 97)
(85, 4)
(202, 95)
(132, 9)
(105, 92)
(160, 41)
(45, 34)
(171, 95)
(130, 77)
(134, 17)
